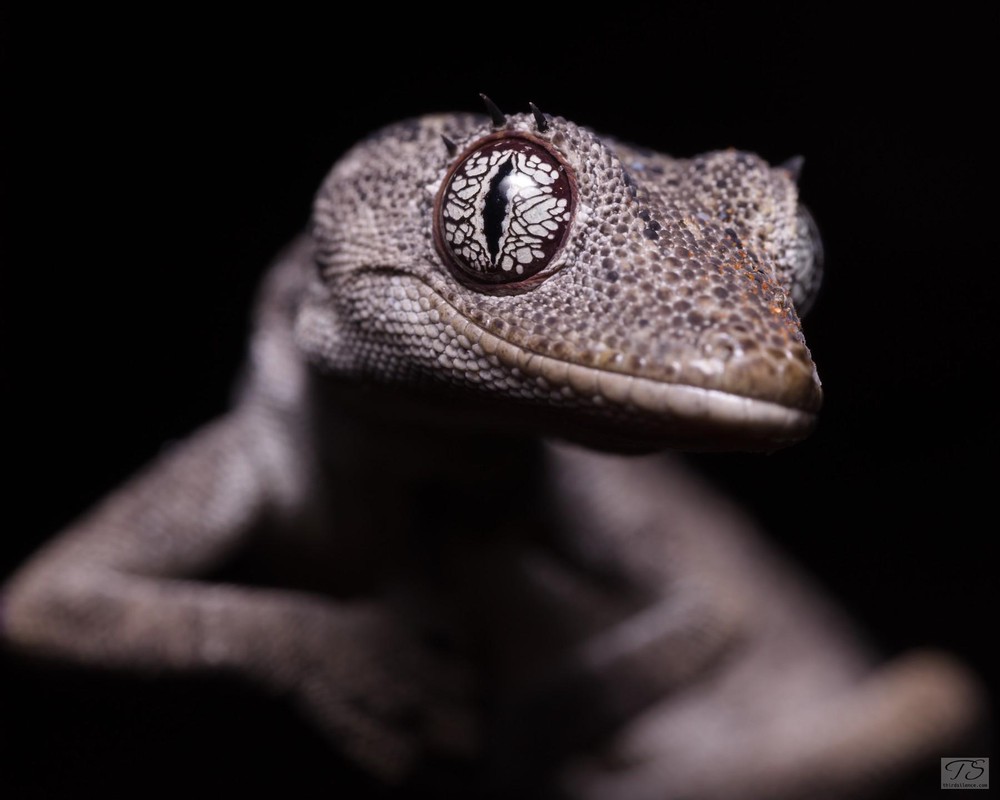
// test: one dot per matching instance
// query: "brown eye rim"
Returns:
(497, 283)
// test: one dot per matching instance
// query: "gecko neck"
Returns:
(394, 444)
(408, 485)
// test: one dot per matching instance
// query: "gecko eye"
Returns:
(503, 211)
(803, 262)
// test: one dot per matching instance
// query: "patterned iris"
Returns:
(504, 210)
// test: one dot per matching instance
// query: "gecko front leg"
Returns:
(797, 706)
(121, 587)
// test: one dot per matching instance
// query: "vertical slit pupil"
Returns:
(495, 210)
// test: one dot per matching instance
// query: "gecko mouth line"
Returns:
(712, 408)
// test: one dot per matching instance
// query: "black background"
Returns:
(153, 163)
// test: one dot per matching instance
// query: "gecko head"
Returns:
(585, 287)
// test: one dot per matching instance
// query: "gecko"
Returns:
(462, 544)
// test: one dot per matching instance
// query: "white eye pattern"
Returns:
(504, 210)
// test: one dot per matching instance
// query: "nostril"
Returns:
(719, 344)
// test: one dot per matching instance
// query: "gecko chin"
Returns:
(649, 415)
(664, 416)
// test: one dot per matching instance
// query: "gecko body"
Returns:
(441, 477)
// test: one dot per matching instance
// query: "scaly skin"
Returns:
(603, 625)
